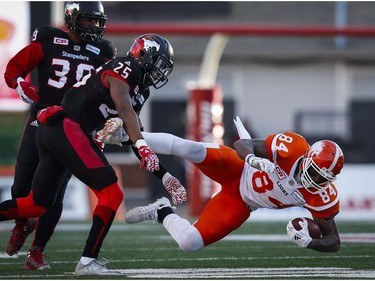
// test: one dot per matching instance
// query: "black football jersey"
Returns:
(89, 102)
(65, 63)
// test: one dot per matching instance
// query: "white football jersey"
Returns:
(280, 189)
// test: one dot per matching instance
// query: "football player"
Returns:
(65, 141)
(62, 58)
(280, 171)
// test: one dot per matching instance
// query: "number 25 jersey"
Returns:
(282, 188)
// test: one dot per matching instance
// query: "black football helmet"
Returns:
(154, 54)
(75, 11)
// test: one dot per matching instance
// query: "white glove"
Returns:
(113, 132)
(242, 132)
(261, 164)
(300, 237)
(174, 188)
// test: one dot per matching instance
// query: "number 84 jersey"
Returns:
(282, 188)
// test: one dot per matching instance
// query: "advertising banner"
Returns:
(14, 35)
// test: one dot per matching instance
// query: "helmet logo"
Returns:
(149, 44)
(73, 6)
(317, 147)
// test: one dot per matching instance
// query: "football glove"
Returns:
(259, 163)
(50, 115)
(242, 132)
(150, 160)
(174, 188)
(300, 237)
(27, 92)
(113, 132)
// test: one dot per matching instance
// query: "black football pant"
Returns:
(27, 162)
(65, 146)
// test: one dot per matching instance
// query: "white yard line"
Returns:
(220, 273)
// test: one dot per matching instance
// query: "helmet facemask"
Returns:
(320, 165)
(313, 178)
(157, 74)
(90, 33)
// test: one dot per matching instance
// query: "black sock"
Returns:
(162, 213)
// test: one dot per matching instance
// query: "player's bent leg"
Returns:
(47, 223)
(224, 213)
(26, 164)
(186, 235)
(21, 207)
(109, 200)
(44, 231)
(34, 259)
(19, 234)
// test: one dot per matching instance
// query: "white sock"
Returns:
(169, 144)
(86, 260)
(186, 235)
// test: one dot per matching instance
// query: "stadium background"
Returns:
(320, 86)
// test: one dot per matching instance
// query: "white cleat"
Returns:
(148, 212)
(95, 267)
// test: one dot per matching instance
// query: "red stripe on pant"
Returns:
(26, 208)
(109, 199)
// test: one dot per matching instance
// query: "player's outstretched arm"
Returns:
(330, 240)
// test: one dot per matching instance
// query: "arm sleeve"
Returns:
(23, 63)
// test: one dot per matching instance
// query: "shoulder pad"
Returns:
(108, 48)
(44, 33)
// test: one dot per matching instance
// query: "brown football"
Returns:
(313, 227)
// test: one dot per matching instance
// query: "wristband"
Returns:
(140, 142)
(248, 157)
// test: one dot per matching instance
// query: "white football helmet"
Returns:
(320, 165)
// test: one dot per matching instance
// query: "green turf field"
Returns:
(255, 251)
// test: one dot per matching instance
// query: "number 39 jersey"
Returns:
(282, 189)
(61, 63)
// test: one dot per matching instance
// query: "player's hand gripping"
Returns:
(27, 92)
(174, 188)
(259, 163)
(112, 133)
(150, 160)
(300, 237)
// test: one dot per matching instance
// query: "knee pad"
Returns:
(190, 240)
(110, 196)
(27, 207)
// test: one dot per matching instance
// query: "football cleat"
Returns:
(19, 235)
(148, 212)
(34, 260)
(95, 267)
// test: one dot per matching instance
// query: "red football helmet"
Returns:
(320, 165)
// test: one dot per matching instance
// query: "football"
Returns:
(313, 227)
